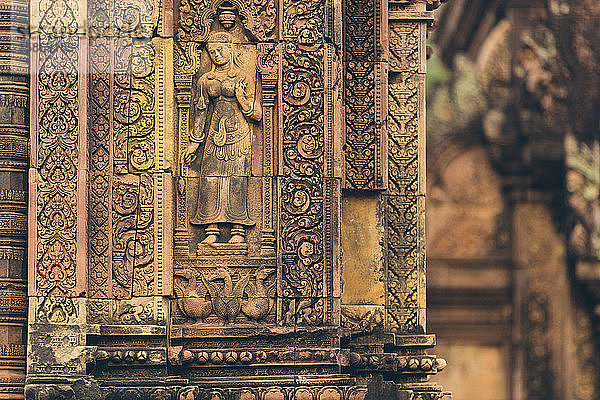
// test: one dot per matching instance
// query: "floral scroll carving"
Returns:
(135, 110)
(122, 151)
(307, 188)
(405, 51)
(196, 16)
(301, 235)
(303, 86)
(302, 191)
(59, 17)
(304, 21)
(58, 140)
(133, 242)
(363, 89)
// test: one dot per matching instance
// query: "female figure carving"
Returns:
(223, 106)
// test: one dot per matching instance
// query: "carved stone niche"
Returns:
(225, 264)
(219, 167)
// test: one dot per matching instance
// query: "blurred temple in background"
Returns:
(513, 208)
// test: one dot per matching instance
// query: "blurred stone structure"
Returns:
(513, 198)
(215, 199)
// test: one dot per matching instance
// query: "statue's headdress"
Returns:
(220, 37)
(225, 37)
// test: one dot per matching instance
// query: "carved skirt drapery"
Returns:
(225, 162)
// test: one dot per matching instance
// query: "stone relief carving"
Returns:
(99, 166)
(125, 102)
(57, 310)
(240, 178)
(137, 311)
(58, 158)
(133, 237)
(363, 91)
(219, 196)
(192, 300)
(226, 299)
(223, 104)
(404, 247)
(364, 322)
(260, 296)
(259, 18)
(222, 295)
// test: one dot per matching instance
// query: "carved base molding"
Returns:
(89, 389)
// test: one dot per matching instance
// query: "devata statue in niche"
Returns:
(223, 108)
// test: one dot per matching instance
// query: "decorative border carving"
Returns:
(57, 158)
(99, 136)
(304, 21)
(404, 240)
(133, 238)
(196, 16)
(267, 64)
(364, 83)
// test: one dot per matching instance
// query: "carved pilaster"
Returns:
(401, 328)
(267, 64)
(14, 161)
(405, 196)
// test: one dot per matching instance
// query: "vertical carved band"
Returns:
(58, 155)
(99, 136)
(267, 65)
(14, 161)
(404, 200)
(133, 195)
(308, 185)
(365, 145)
(121, 116)
(183, 96)
(140, 118)
(301, 186)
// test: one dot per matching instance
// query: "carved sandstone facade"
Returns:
(210, 182)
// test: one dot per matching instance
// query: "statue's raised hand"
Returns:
(241, 88)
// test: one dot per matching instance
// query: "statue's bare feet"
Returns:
(212, 232)
(238, 234)
(210, 239)
(237, 239)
